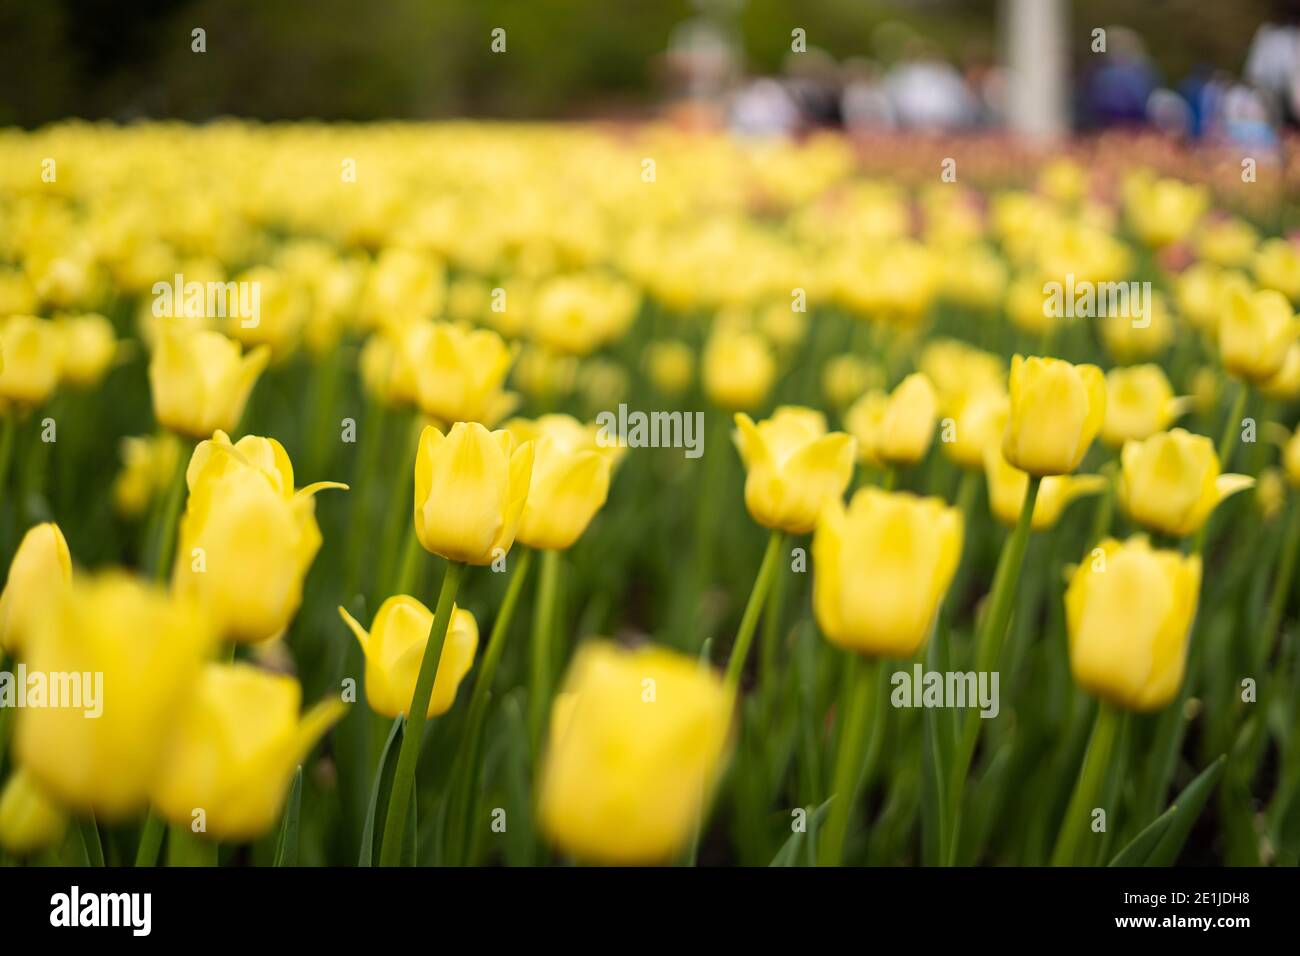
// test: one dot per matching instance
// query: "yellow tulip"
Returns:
(200, 382)
(459, 374)
(403, 286)
(1127, 343)
(670, 366)
(29, 820)
(738, 369)
(957, 370)
(846, 377)
(247, 538)
(283, 310)
(577, 314)
(1270, 493)
(1170, 482)
(394, 648)
(636, 744)
(1056, 411)
(470, 489)
(570, 479)
(235, 748)
(1286, 383)
(881, 568)
(1163, 211)
(1028, 306)
(1291, 459)
(150, 649)
(793, 467)
(1256, 331)
(1277, 266)
(89, 346)
(895, 429)
(33, 359)
(1129, 611)
(39, 573)
(978, 420)
(148, 464)
(1139, 403)
(1008, 486)
(1227, 242)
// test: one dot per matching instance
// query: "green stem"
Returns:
(403, 789)
(749, 621)
(889, 479)
(992, 634)
(151, 837)
(1233, 423)
(849, 757)
(8, 426)
(187, 848)
(165, 543)
(90, 840)
(1087, 788)
(466, 771)
(1281, 587)
(408, 575)
(543, 646)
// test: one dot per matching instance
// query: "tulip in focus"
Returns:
(470, 489)
(1056, 411)
(200, 381)
(881, 568)
(234, 750)
(636, 744)
(39, 573)
(793, 467)
(247, 538)
(1129, 611)
(1170, 482)
(394, 649)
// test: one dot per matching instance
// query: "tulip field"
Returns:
(581, 494)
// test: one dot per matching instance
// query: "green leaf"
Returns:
(1160, 843)
(377, 809)
(788, 855)
(286, 847)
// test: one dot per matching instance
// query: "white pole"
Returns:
(1037, 67)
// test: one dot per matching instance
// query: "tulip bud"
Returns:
(1170, 482)
(235, 748)
(1256, 331)
(247, 539)
(1129, 612)
(33, 359)
(1008, 487)
(29, 820)
(794, 468)
(470, 489)
(881, 568)
(637, 741)
(39, 573)
(149, 648)
(895, 429)
(394, 649)
(200, 383)
(1056, 411)
(569, 483)
(1139, 403)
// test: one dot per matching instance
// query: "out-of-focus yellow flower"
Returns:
(470, 489)
(459, 373)
(29, 820)
(1270, 493)
(1008, 486)
(235, 748)
(39, 573)
(846, 377)
(403, 286)
(1129, 611)
(88, 348)
(782, 325)
(1056, 411)
(247, 538)
(148, 464)
(1206, 385)
(1029, 307)
(199, 380)
(570, 481)
(1277, 266)
(1255, 332)
(1128, 342)
(1227, 242)
(577, 314)
(602, 382)
(957, 370)
(793, 467)
(895, 429)
(33, 359)
(545, 375)
(1063, 180)
(394, 649)
(378, 365)
(670, 365)
(284, 308)
(1171, 482)
(1201, 291)
(1139, 403)
(1286, 383)
(636, 743)
(738, 369)
(881, 568)
(1162, 211)
(150, 648)
(978, 421)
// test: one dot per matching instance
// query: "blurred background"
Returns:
(1193, 68)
